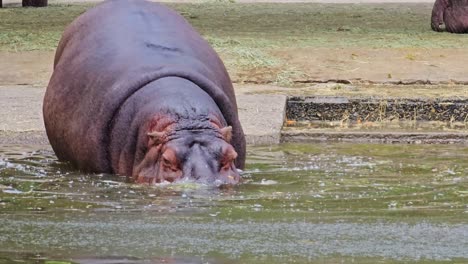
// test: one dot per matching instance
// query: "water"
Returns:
(314, 203)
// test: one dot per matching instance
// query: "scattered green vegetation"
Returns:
(410, 56)
(251, 36)
(24, 29)
(321, 25)
(260, 26)
(284, 77)
(374, 91)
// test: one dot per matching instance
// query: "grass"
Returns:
(256, 26)
(25, 29)
(321, 25)
(248, 35)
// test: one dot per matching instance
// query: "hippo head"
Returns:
(203, 154)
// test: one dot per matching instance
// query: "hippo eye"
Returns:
(226, 165)
(167, 164)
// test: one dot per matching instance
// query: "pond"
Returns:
(299, 203)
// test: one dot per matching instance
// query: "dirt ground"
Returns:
(380, 65)
(353, 45)
(310, 65)
(364, 65)
(26, 68)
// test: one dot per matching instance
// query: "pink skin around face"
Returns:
(204, 156)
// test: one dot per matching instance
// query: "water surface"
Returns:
(307, 203)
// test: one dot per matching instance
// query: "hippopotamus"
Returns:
(136, 91)
(450, 15)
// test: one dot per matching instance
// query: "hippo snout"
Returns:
(211, 173)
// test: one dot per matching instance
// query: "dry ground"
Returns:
(303, 65)
(288, 45)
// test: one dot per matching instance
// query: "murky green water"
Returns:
(317, 203)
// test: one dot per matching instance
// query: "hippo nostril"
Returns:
(194, 175)
(227, 180)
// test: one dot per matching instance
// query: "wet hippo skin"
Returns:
(136, 91)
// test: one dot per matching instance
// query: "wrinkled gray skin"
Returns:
(450, 15)
(136, 91)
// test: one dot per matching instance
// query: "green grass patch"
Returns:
(256, 26)
(321, 25)
(25, 29)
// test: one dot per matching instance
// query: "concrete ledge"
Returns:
(21, 119)
(24, 138)
(21, 108)
(298, 135)
(262, 117)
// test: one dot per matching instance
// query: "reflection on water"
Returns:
(323, 203)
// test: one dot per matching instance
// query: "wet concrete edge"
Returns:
(301, 136)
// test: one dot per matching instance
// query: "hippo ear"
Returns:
(156, 137)
(227, 133)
